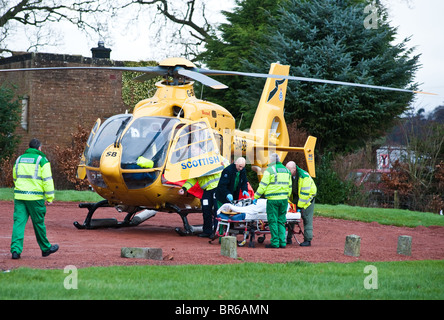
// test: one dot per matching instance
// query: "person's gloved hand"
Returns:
(230, 197)
(246, 194)
(254, 201)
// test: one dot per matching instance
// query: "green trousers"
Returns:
(276, 215)
(22, 211)
(307, 218)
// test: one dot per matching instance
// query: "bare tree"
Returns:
(180, 26)
(184, 23)
(36, 14)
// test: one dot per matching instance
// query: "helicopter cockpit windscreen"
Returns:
(106, 135)
(144, 146)
(98, 142)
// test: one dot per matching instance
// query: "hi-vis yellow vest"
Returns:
(275, 183)
(206, 182)
(33, 177)
(306, 189)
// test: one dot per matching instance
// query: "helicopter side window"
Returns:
(219, 142)
(81, 170)
(181, 146)
(194, 141)
(91, 136)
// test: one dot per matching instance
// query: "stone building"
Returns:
(55, 102)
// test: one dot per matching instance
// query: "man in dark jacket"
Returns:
(232, 180)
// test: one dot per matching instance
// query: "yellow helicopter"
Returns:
(164, 129)
(137, 161)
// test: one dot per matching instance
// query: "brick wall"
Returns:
(60, 100)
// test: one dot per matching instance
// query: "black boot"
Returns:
(51, 250)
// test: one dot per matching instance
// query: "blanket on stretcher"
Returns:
(252, 212)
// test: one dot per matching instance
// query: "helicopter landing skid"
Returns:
(188, 230)
(90, 223)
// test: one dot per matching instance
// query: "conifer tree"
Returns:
(325, 39)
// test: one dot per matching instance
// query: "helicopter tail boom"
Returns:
(268, 123)
(307, 149)
(269, 127)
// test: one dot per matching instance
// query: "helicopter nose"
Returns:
(110, 166)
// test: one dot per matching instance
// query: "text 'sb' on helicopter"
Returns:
(138, 161)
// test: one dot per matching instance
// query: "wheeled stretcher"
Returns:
(247, 219)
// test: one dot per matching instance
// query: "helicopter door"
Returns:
(81, 169)
(193, 153)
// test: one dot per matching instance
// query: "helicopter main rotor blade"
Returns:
(155, 70)
(201, 75)
(202, 78)
(266, 75)
(149, 73)
(147, 76)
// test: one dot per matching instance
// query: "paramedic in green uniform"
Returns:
(276, 187)
(303, 195)
(33, 183)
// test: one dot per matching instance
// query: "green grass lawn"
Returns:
(7, 194)
(411, 280)
(396, 217)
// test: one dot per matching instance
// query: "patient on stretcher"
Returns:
(249, 219)
(237, 212)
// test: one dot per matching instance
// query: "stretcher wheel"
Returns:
(261, 239)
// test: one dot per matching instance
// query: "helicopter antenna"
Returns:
(201, 92)
(180, 112)
(240, 121)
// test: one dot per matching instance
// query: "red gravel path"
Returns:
(101, 247)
